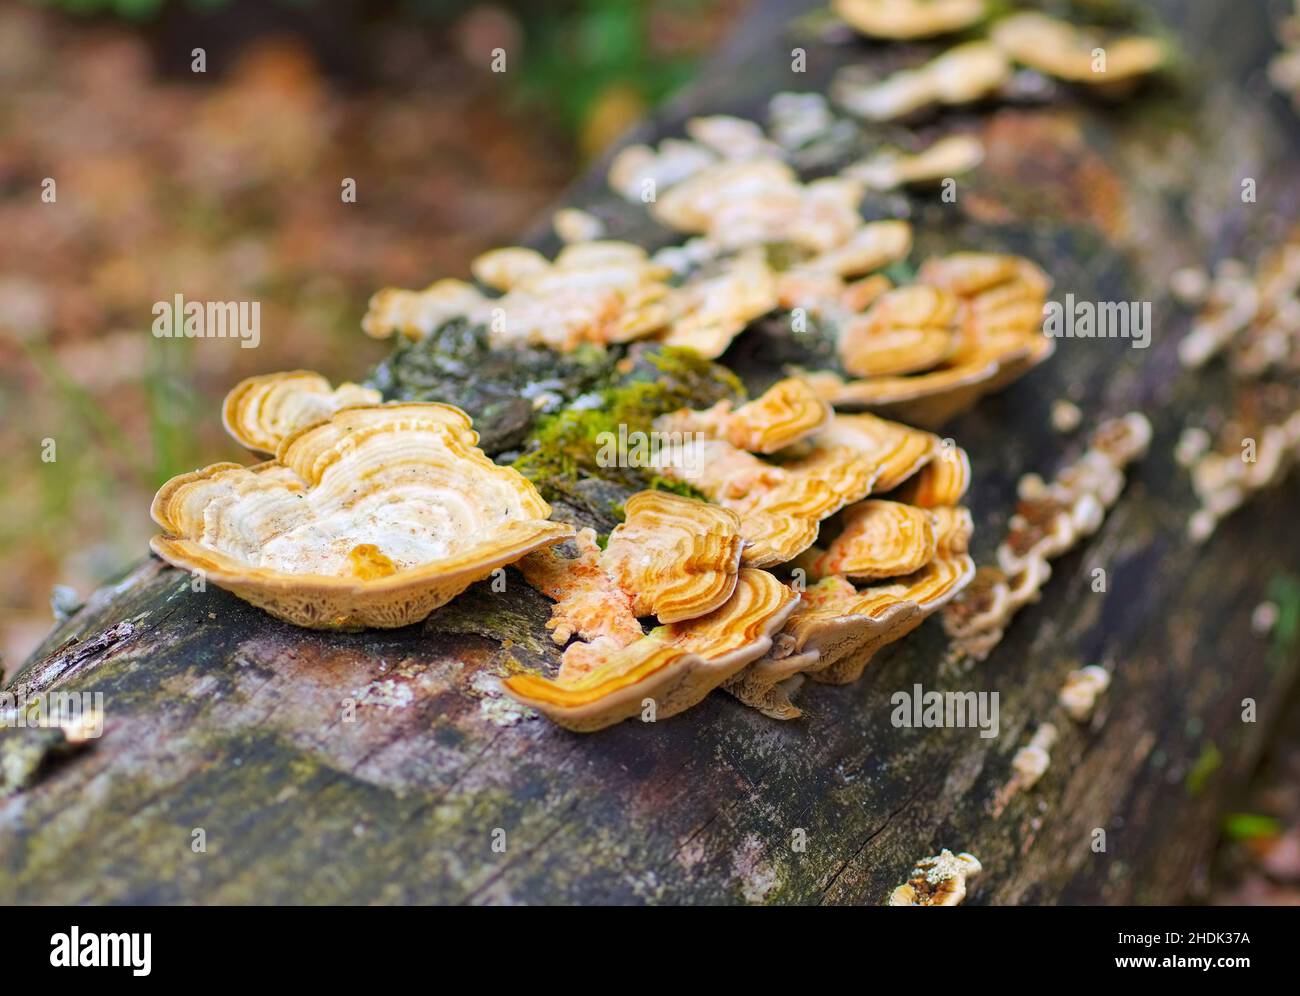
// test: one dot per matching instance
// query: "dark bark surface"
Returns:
(220, 718)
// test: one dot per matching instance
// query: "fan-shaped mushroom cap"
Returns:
(1000, 294)
(876, 244)
(261, 411)
(677, 557)
(779, 506)
(899, 451)
(937, 881)
(502, 269)
(372, 518)
(906, 329)
(899, 606)
(948, 157)
(961, 75)
(942, 481)
(999, 318)
(785, 413)
(576, 225)
(881, 539)
(416, 314)
(1066, 51)
(675, 666)
(907, 19)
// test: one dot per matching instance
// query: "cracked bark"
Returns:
(223, 719)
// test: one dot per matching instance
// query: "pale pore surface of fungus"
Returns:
(670, 669)
(937, 881)
(372, 518)
(998, 338)
(1067, 51)
(261, 411)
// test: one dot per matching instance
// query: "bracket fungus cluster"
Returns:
(964, 74)
(774, 471)
(983, 68)
(674, 558)
(970, 325)
(1252, 320)
(592, 293)
(1073, 53)
(374, 516)
(838, 627)
(821, 465)
(937, 881)
(757, 542)
(1050, 519)
(803, 465)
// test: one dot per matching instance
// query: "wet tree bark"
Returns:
(384, 766)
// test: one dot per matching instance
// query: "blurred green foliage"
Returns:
(1250, 826)
(578, 52)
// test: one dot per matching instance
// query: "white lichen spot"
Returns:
(757, 875)
(387, 694)
(496, 707)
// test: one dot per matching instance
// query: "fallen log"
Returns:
(244, 760)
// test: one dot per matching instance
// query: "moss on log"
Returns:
(386, 767)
